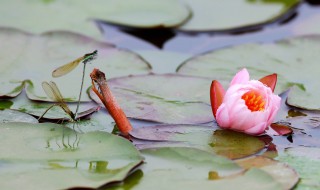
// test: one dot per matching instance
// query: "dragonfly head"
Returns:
(90, 56)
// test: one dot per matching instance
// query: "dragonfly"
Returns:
(52, 91)
(65, 69)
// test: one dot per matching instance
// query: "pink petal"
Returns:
(276, 101)
(241, 77)
(222, 116)
(257, 130)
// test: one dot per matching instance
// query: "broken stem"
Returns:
(110, 102)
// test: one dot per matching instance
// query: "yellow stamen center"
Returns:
(254, 101)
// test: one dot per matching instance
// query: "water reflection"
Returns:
(98, 166)
(67, 141)
(213, 175)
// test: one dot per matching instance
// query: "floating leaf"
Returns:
(36, 56)
(294, 60)
(222, 142)
(306, 160)
(145, 13)
(38, 156)
(90, 117)
(281, 172)
(37, 108)
(187, 168)
(99, 121)
(167, 98)
(163, 61)
(79, 15)
(7, 116)
(237, 14)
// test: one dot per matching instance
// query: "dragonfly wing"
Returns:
(64, 69)
(49, 91)
(53, 92)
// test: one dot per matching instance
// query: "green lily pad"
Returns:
(188, 168)
(37, 108)
(144, 13)
(79, 15)
(236, 14)
(43, 53)
(306, 160)
(90, 116)
(281, 172)
(7, 116)
(42, 156)
(98, 121)
(163, 61)
(222, 142)
(166, 98)
(295, 61)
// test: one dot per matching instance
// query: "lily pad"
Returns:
(144, 13)
(42, 156)
(236, 14)
(281, 172)
(37, 108)
(167, 98)
(222, 142)
(306, 160)
(79, 15)
(295, 61)
(98, 121)
(188, 168)
(8, 115)
(163, 61)
(43, 53)
(90, 117)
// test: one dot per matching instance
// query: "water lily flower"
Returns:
(247, 106)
